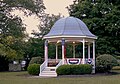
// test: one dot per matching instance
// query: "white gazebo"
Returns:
(68, 30)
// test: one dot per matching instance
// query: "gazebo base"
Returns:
(49, 70)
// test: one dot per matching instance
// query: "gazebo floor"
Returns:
(52, 64)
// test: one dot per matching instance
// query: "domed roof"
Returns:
(69, 27)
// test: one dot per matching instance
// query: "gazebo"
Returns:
(68, 30)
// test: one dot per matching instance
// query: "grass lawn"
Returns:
(24, 78)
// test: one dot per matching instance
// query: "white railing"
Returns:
(59, 64)
(42, 67)
(54, 60)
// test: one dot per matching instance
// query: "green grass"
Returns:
(24, 78)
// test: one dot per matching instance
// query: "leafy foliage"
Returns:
(36, 60)
(35, 47)
(33, 69)
(44, 27)
(63, 70)
(103, 19)
(105, 62)
(11, 34)
(27, 6)
(74, 69)
(48, 22)
(12, 30)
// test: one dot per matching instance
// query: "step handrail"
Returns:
(59, 64)
(43, 65)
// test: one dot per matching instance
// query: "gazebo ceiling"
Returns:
(69, 27)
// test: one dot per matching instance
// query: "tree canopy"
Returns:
(36, 45)
(103, 19)
(47, 23)
(11, 27)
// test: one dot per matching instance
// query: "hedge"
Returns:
(105, 62)
(74, 69)
(34, 69)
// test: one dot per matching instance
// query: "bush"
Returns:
(36, 60)
(82, 69)
(33, 69)
(74, 69)
(105, 62)
(64, 70)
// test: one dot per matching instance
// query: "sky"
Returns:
(52, 7)
(57, 6)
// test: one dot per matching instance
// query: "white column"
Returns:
(83, 60)
(88, 50)
(93, 57)
(63, 49)
(73, 50)
(46, 50)
(56, 52)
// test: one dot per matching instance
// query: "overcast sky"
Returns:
(52, 7)
(57, 6)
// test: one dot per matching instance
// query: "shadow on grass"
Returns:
(93, 75)
(115, 72)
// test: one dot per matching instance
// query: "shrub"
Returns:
(74, 69)
(64, 70)
(33, 69)
(36, 60)
(105, 62)
(82, 69)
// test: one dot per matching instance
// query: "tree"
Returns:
(11, 34)
(11, 27)
(103, 19)
(12, 43)
(27, 6)
(35, 47)
(47, 23)
(44, 28)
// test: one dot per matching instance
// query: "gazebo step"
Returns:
(45, 71)
(49, 69)
(46, 75)
(49, 72)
